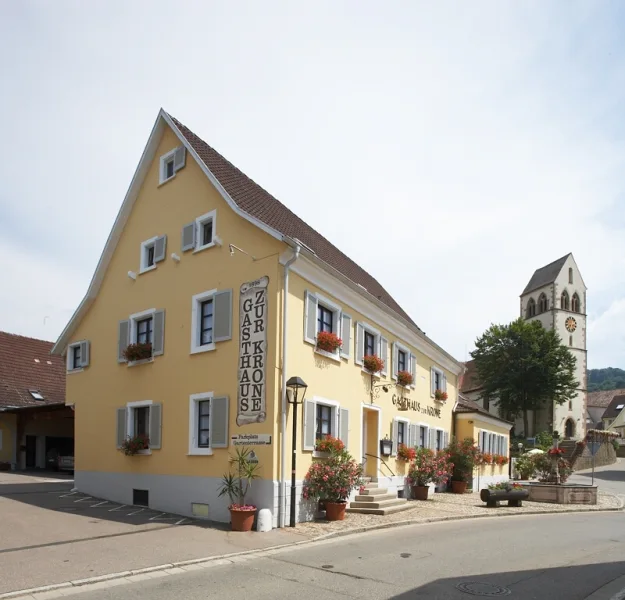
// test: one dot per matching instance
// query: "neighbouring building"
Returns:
(598, 403)
(612, 412)
(229, 290)
(556, 297)
(35, 424)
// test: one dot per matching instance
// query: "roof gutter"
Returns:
(285, 312)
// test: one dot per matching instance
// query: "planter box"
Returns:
(562, 494)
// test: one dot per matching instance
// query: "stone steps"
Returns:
(375, 497)
(374, 500)
(369, 491)
(387, 510)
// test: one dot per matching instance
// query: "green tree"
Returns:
(524, 367)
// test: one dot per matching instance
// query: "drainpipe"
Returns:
(285, 307)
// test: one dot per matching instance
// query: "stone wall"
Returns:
(605, 456)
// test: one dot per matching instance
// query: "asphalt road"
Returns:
(609, 479)
(550, 557)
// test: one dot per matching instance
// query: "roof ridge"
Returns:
(27, 337)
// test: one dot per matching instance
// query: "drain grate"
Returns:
(476, 588)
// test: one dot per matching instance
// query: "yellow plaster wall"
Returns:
(7, 427)
(106, 385)
(346, 382)
(467, 429)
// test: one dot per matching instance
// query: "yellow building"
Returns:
(230, 289)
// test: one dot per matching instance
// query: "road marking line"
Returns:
(98, 504)
(118, 508)
(67, 495)
(156, 517)
(136, 512)
(180, 522)
(85, 498)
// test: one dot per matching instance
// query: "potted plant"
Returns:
(463, 455)
(331, 481)
(406, 453)
(372, 363)
(236, 485)
(555, 451)
(427, 467)
(440, 396)
(500, 460)
(329, 445)
(404, 378)
(134, 444)
(485, 459)
(134, 352)
(328, 341)
(525, 466)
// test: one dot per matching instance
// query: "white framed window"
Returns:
(326, 419)
(370, 341)
(438, 381)
(321, 314)
(138, 421)
(78, 356)
(404, 360)
(201, 233)
(400, 433)
(142, 327)
(200, 424)
(211, 319)
(171, 163)
(424, 436)
(152, 252)
(323, 417)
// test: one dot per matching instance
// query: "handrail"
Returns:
(380, 458)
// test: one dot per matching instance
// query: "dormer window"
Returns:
(36, 395)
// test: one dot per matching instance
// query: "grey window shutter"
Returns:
(219, 415)
(123, 340)
(179, 158)
(414, 435)
(445, 439)
(222, 320)
(310, 408)
(84, 353)
(156, 412)
(432, 381)
(444, 383)
(433, 439)
(413, 369)
(310, 318)
(160, 247)
(394, 365)
(394, 435)
(346, 333)
(188, 236)
(121, 426)
(158, 333)
(384, 354)
(344, 426)
(360, 350)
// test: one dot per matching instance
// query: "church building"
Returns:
(556, 296)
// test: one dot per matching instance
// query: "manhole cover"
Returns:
(476, 588)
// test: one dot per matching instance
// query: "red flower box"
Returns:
(406, 453)
(404, 378)
(330, 444)
(134, 352)
(556, 451)
(328, 342)
(440, 396)
(373, 363)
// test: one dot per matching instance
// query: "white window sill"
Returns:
(200, 349)
(136, 363)
(164, 181)
(335, 357)
(377, 375)
(318, 454)
(200, 452)
(142, 453)
(72, 371)
(204, 247)
(147, 269)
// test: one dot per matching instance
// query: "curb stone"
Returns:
(224, 558)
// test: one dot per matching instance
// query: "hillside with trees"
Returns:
(605, 379)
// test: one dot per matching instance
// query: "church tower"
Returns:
(556, 296)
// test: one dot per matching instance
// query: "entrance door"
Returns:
(370, 448)
(569, 429)
(31, 451)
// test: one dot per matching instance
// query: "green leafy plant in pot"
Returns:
(427, 467)
(463, 455)
(236, 486)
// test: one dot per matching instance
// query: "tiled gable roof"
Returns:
(258, 203)
(26, 364)
(545, 275)
(612, 411)
(465, 405)
(603, 398)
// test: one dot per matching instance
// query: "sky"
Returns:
(449, 148)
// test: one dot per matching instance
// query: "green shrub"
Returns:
(526, 466)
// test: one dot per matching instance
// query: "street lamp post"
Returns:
(294, 384)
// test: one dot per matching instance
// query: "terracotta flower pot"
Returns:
(458, 487)
(335, 511)
(242, 520)
(420, 492)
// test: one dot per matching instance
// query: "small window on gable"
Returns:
(570, 275)
(78, 356)
(211, 319)
(36, 395)
(171, 163)
(200, 234)
(152, 252)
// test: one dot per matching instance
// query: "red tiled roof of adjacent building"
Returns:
(260, 204)
(603, 398)
(26, 365)
(465, 405)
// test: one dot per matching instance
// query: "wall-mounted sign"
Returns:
(405, 403)
(251, 439)
(252, 352)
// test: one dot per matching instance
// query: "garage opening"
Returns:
(140, 497)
